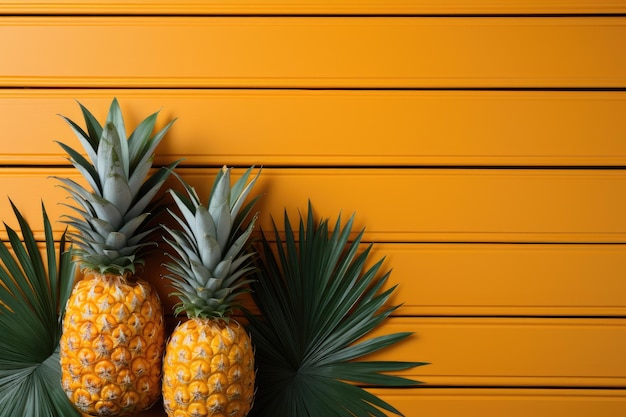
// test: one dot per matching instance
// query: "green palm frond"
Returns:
(318, 302)
(33, 293)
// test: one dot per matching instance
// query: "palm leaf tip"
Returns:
(33, 293)
(318, 303)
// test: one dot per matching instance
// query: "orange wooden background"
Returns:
(481, 144)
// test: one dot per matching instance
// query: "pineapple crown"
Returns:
(110, 225)
(208, 265)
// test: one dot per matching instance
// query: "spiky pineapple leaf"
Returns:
(208, 265)
(112, 227)
(33, 294)
(115, 120)
(145, 146)
(318, 302)
(148, 190)
(84, 167)
(94, 130)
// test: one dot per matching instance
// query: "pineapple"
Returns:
(208, 368)
(113, 330)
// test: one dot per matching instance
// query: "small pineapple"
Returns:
(113, 330)
(208, 367)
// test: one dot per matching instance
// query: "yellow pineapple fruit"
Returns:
(208, 368)
(113, 332)
(113, 337)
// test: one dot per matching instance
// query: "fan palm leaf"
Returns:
(318, 302)
(33, 293)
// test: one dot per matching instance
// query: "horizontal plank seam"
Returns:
(372, 15)
(505, 387)
(425, 167)
(441, 167)
(468, 243)
(494, 242)
(170, 316)
(304, 88)
(509, 316)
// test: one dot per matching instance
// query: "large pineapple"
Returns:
(208, 367)
(113, 330)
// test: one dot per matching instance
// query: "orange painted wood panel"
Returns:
(506, 280)
(451, 205)
(293, 52)
(487, 280)
(257, 7)
(336, 128)
(408, 205)
(512, 352)
(496, 402)
(481, 402)
(496, 280)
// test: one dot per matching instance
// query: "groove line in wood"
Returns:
(338, 7)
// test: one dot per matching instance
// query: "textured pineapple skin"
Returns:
(208, 370)
(112, 345)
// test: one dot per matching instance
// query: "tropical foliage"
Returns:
(318, 301)
(33, 293)
(113, 210)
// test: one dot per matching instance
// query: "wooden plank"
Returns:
(496, 402)
(294, 52)
(456, 205)
(407, 205)
(506, 280)
(349, 128)
(500, 280)
(512, 352)
(333, 7)
(506, 402)
(486, 280)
